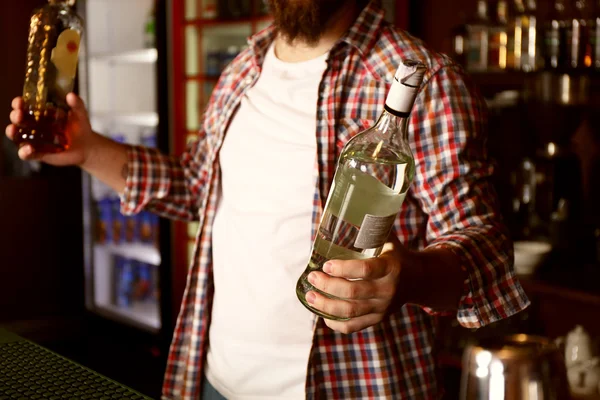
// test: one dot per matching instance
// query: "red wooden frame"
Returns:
(179, 245)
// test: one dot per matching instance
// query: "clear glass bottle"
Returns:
(555, 38)
(374, 171)
(576, 36)
(52, 56)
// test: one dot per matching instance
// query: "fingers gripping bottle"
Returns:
(54, 40)
(374, 172)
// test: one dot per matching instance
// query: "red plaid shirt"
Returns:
(451, 203)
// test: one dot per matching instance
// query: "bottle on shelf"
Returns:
(579, 54)
(460, 39)
(498, 46)
(374, 171)
(52, 56)
(477, 39)
(526, 54)
(210, 9)
(555, 41)
(573, 38)
(595, 36)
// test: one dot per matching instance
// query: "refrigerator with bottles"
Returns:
(127, 259)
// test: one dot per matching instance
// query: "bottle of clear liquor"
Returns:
(52, 55)
(556, 39)
(577, 37)
(374, 172)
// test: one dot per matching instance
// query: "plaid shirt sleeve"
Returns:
(453, 186)
(169, 186)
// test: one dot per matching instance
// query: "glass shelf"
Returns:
(143, 119)
(145, 253)
(144, 56)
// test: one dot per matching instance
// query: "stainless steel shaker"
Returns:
(518, 367)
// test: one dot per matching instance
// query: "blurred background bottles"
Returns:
(515, 35)
(52, 55)
(499, 45)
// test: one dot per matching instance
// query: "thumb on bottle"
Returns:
(77, 105)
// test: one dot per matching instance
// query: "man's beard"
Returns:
(304, 20)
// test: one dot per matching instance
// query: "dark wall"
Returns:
(41, 271)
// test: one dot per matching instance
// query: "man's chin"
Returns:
(304, 20)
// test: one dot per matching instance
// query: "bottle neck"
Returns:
(400, 99)
(519, 7)
(394, 125)
(580, 6)
(502, 12)
(482, 10)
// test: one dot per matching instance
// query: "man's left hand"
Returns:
(368, 288)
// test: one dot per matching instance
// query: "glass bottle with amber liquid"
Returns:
(525, 33)
(54, 40)
(374, 172)
(499, 41)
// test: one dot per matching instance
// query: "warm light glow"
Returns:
(587, 60)
(565, 89)
(518, 42)
(551, 149)
(503, 49)
(534, 391)
(481, 372)
(483, 358)
(496, 381)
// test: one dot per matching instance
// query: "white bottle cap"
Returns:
(405, 87)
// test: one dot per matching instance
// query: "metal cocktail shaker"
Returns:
(519, 367)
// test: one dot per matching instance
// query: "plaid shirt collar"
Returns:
(362, 35)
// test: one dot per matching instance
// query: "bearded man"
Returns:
(257, 179)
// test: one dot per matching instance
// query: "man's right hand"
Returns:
(106, 159)
(79, 131)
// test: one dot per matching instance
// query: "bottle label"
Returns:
(374, 231)
(64, 57)
(478, 49)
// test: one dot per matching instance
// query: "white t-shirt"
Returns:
(260, 335)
